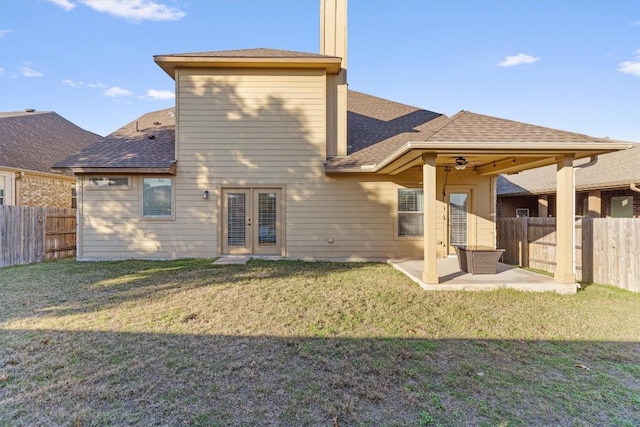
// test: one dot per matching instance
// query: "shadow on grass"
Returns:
(99, 378)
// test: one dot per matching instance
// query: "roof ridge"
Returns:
(449, 121)
(535, 125)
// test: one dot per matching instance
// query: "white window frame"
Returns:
(9, 180)
(400, 213)
(169, 217)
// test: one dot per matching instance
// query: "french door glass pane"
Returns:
(236, 213)
(267, 219)
(458, 219)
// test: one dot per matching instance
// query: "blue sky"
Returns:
(567, 64)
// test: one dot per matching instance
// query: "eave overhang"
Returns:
(166, 170)
(169, 63)
(486, 158)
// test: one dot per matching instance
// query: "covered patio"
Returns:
(454, 279)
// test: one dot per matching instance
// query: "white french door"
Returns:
(252, 221)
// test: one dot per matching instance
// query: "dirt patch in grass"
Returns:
(293, 343)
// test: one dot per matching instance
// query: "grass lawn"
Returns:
(306, 344)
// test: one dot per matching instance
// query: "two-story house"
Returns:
(267, 152)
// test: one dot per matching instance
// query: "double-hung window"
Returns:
(410, 212)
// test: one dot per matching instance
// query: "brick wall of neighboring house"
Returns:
(34, 190)
(606, 201)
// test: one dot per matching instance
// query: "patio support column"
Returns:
(565, 221)
(430, 273)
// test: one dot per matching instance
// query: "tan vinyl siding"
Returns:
(261, 129)
(113, 228)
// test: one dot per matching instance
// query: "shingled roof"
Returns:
(260, 52)
(146, 144)
(35, 140)
(379, 127)
(371, 120)
(260, 57)
(611, 170)
(376, 129)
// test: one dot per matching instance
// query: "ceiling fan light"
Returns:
(461, 163)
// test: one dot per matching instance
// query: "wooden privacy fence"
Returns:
(29, 234)
(607, 249)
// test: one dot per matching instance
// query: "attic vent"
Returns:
(157, 123)
(30, 110)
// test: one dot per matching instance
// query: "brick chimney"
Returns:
(333, 42)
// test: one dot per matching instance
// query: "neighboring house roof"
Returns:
(146, 144)
(261, 57)
(612, 170)
(35, 140)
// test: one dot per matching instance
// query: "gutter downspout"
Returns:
(19, 176)
(592, 161)
(634, 187)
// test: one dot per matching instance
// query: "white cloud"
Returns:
(136, 10)
(3, 32)
(518, 59)
(83, 84)
(65, 4)
(27, 71)
(635, 23)
(117, 91)
(160, 94)
(631, 67)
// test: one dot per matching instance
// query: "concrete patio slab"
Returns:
(243, 259)
(507, 276)
(232, 259)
